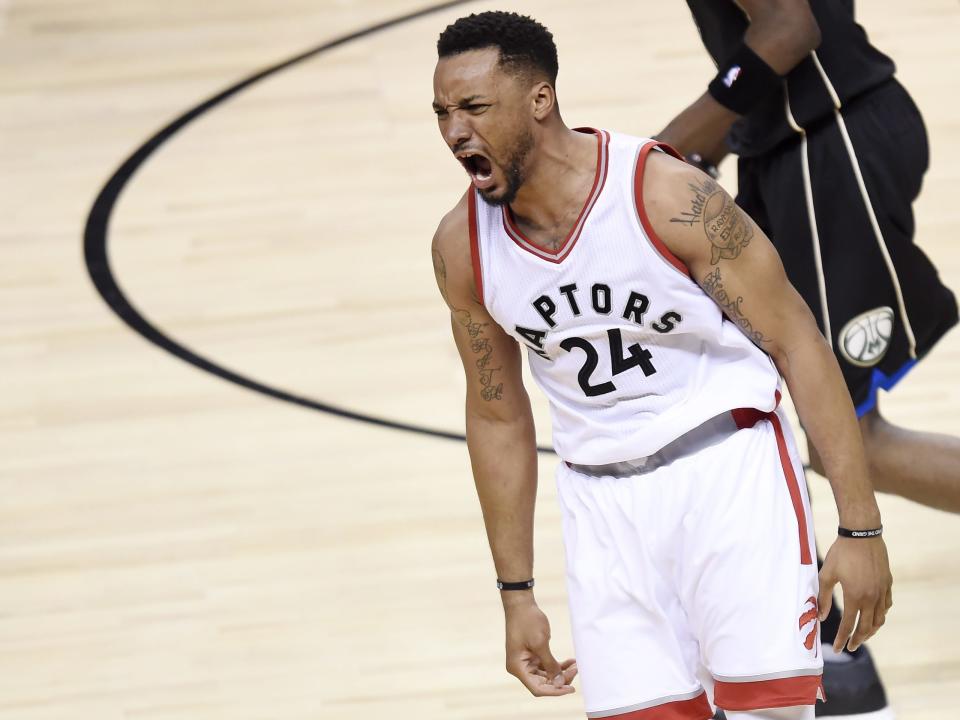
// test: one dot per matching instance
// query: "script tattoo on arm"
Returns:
(480, 345)
(701, 191)
(726, 226)
(732, 307)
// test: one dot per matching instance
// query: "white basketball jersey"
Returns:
(628, 349)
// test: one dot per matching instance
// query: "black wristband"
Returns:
(874, 532)
(525, 585)
(743, 81)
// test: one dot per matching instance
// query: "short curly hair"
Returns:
(524, 44)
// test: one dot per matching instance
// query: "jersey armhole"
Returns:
(474, 243)
(652, 236)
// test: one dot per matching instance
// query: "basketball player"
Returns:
(832, 152)
(655, 315)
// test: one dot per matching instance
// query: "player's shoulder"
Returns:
(451, 250)
(678, 199)
(453, 229)
(666, 175)
(664, 171)
(670, 187)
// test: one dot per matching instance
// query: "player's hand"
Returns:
(528, 651)
(862, 568)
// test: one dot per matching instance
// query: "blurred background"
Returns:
(173, 545)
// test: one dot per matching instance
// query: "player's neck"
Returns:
(558, 182)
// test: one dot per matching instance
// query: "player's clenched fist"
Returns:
(528, 652)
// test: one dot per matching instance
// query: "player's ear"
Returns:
(544, 100)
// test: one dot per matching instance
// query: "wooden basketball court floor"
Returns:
(174, 545)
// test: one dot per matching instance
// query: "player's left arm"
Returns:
(781, 33)
(736, 264)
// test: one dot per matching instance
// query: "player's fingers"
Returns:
(865, 628)
(879, 616)
(528, 673)
(569, 671)
(884, 604)
(847, 623)
(549, 663)
(542, 687)
(825, 600)
(548, 690)
(524, 664)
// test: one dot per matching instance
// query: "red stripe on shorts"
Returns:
(693, 709)
(748, 417)
(762, 694)
(793, 485)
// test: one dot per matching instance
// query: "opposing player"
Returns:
(652, 311)
(832, 153)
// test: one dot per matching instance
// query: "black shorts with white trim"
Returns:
(885, 303)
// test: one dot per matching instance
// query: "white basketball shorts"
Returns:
(697, 559)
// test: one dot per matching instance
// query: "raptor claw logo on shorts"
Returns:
(809, 623)
(864, 340)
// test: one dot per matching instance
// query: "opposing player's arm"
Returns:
(735, 263)
(503, 453)
(781, 33)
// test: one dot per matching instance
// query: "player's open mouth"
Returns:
(479, 168)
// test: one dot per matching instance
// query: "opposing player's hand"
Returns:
(862, 568)
(528, 652)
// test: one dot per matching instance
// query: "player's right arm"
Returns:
(781, 33)
(503, 454)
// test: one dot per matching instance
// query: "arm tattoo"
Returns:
(713, 286)
(483, 348)
(479, 344)
(440, 271)
(726, 226)
(702, 191)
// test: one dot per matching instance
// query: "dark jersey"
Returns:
(851, 65)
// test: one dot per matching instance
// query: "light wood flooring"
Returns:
(175, 547)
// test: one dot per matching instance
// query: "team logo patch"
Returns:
(809, 623)
(864, 340)
(731, 77)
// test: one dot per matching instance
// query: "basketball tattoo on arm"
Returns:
(724, 224)
(480, 344)
(728, 231)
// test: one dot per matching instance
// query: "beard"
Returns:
(514, 171)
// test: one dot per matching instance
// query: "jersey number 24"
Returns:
(638, 357)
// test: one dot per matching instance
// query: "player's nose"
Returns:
(456, 131)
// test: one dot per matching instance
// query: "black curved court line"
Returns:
(98, 222)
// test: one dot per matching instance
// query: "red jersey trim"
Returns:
(655, 240)
(599, 180)
(763, 694)
(474, 242)
(693, 709)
